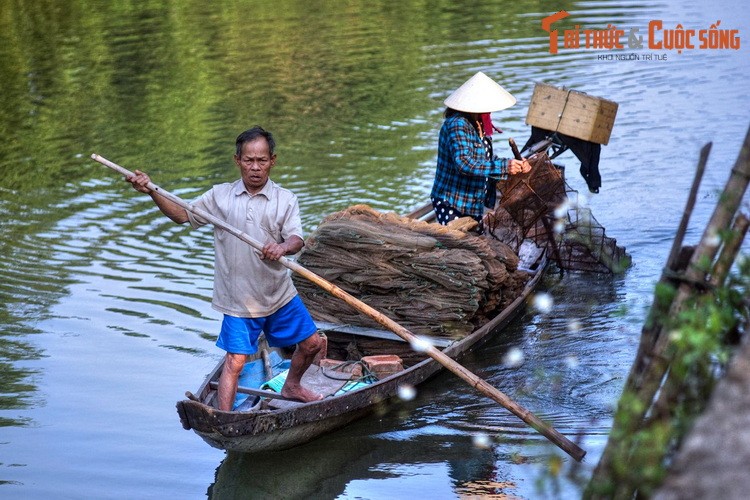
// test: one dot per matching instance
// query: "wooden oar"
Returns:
(473, 380)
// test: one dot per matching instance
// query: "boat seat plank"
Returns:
(253, 392)
(377, 333)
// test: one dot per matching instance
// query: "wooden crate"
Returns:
(572, 113)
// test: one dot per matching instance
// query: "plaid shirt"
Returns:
(463, 169)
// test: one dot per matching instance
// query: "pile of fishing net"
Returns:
(432, 279)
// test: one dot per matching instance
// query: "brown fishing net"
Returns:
(432, 279)
(525, 200)
(539, 205)
(581, 243)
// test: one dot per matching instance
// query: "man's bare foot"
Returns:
(299, 393)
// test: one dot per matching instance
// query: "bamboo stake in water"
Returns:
(473, 380)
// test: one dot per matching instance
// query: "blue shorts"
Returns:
(288, 326)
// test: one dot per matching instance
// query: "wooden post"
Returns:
(680, 236)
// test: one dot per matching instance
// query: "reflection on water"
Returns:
(105, 318)
(334, 466)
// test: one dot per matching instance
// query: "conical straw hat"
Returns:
(480, 94)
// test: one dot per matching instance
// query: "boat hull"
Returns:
(279, 429)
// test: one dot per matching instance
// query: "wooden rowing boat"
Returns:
(267, 422)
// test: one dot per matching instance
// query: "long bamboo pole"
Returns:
(473, 380)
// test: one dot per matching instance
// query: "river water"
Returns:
(106, 318)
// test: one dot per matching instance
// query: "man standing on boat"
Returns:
(253, 291)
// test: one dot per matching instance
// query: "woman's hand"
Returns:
(518, 166)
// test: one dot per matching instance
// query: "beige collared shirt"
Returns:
(244, 284)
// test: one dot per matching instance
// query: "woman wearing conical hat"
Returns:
(467, 169)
